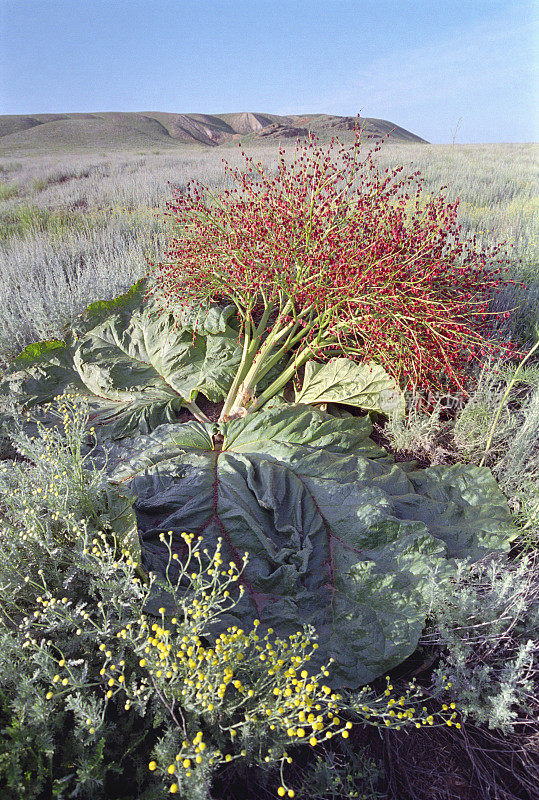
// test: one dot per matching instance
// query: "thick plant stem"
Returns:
(246, 361)
(293, 338)
(276, 334)
(250, 348)
(289, 372)
(281, 339)
(259, 366)
(254, 355)
(197, 412)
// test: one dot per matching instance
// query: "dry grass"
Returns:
(470, 764)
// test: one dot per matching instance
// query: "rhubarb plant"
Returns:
(139, 368)
(330, 258)
(338, 536)
(282, 301)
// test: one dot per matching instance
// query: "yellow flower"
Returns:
(152, 766)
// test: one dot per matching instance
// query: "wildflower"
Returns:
(332, 267)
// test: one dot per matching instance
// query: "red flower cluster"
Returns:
(360, 257)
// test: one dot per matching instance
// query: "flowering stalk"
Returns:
(326, 257)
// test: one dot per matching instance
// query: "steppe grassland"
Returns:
(74, 229)
(82, 226)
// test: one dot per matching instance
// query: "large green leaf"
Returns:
(340, 380)
(136, 366)
(337, 534)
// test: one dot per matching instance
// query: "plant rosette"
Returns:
(338, 536)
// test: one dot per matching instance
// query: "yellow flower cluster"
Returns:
(238, 689)
(192, 755)
(246, 682)
(394, 711)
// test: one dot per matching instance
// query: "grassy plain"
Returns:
(77, 228)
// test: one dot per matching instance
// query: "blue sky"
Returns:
(441, 69)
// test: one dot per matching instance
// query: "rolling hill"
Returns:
(31, 133)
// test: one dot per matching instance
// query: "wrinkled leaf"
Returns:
(135, 366)
(337, 534)
(341, 380)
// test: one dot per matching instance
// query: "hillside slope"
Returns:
(125, 130)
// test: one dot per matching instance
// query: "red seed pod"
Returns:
(394, 285)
